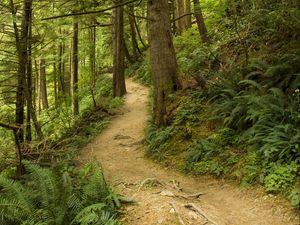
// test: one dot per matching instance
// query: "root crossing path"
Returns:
(167, 197)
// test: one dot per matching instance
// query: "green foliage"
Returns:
(140, 71)
(281, 178)
(192, 57)
(189, 109)
(210, 155)
(295, 195)
(156, 139)
(57, 195)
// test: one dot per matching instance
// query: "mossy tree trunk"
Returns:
(119, 88)
(200, 22)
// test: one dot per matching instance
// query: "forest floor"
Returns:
(165, 196)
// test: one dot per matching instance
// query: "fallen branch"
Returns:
(194, 208)
(184, 196)
(177, 213)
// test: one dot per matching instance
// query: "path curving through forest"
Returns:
(168, 197)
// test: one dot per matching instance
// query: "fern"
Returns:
(53, 197)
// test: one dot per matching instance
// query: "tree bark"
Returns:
(188, 18)
(134, 43)
(119, 88)
(29, 80)
(92, 55)
(43, 84)
(200, 22)
(181, 21)
(162, 60)
(74, 74)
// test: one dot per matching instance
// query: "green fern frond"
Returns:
(15, 190)
(251, 83)
(89, 215)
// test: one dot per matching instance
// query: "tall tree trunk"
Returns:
(21, 44)
(134, 43)
(29, 81)
(162, 60)
(127, 54)
(43, 84)
(37, 86)
(119, 88)
(200, 22)
(181, 21)
(173, 14)
(92, 55)
(188, 18)
(74, 74)
(61, 70)
(55, 79)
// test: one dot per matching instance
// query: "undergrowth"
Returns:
(242, 121)
(58, 195)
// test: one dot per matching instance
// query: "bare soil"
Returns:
(167, 197)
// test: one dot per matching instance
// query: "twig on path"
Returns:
(179, 195)
(153, 182)
(193, 207)
(177, 213)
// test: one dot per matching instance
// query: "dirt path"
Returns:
(166, 197)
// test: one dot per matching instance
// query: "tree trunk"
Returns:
(188, 18)
(162, 60)
(29, 81)
(200, 22)
(37, 87)
(119, 88)
(61, 70)
(173, 15)
(134, 43)
(74, 74)
(92, 60)
(54, 76)
(180, 13)
(43, 84)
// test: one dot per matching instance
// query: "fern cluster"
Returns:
(57, 196)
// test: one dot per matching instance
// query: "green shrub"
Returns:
(281, 178)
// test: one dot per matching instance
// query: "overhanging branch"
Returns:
(90, 12)
(9, 126)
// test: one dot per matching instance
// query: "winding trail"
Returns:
(165, 196)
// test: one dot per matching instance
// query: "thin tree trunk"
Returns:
(55, 79)
(181, 21)
(162, 60)
(139, 33)
(119, 88)
(200, 22)
(74, 74)
(61, 70)
(29, 81)
(134, 43)
(38, 86)
(127, 54)
(92, 35)
(43, 84)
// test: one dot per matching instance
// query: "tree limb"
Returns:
(178, 18)
(9, 126)
(90, 12)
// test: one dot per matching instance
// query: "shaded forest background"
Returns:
(224, 78)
